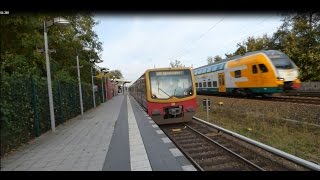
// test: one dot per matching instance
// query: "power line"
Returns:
(243, 30)
(201, 36)
(237, 40)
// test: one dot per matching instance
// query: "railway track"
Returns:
(280, 98)
(295, 99)
(214, 149)
(302, 93)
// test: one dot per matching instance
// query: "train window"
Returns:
(204, 84)
(196, 84)
(280, 60)
(204, 70)
(214, 83)
(200, 84)
(263, 68)
(254, 69)
(237, 73)
(209, 84)
(223, 65)
(214, 68)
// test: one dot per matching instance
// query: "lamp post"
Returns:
(92, 82)
(103, 70)
(93, 93)
(46, 25)
(76, 37)
(79, 80)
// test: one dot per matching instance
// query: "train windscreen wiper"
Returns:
(174, 93)
(164, 92)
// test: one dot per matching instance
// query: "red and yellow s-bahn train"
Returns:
(168, 95)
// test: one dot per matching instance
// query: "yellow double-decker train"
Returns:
(167, 94)
(256, 73)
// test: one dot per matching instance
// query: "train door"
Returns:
(256, 79)
(264, 75)
(222, 86)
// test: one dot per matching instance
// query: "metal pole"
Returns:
(105, 88)
(123, 88)
(80, 89)
(49, 78)
(93, 94)
(207, 104)
(102, 89)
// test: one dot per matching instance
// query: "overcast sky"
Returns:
(134, 43)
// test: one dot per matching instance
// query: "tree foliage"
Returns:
(116, 73)
(210, 60)
(298, 37)
(22, 44)
(176, 63)
(217, 58)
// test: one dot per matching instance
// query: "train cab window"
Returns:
(209, 84)
(214, 68)
(204, 84)
(214, 83)
(196, 84)
(263, 68)
(237, 73)
(254, 69)
(200, 84)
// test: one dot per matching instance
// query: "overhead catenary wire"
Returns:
(245, 35)
(237, 40)
(201, 36)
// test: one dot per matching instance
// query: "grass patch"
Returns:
(269, 128)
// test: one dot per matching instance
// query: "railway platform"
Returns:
(116, 136)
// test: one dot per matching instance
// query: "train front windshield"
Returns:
(168, 84)
(281, 61)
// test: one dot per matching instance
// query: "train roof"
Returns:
(267, 52)
(163, 69)
(167, 68)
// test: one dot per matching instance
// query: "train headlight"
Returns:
(281, 79)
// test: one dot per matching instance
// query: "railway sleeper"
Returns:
(192, 145)
(183, 137)
(205, 155)
(188, 141)
(228, 166)
(198, 149)
(210, 161)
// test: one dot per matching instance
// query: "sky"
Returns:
(135, 43)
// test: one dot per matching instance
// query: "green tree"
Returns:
(299, 38)
(217, 58)
(116, 73)
(176, 63)
(210, 60)
(22, 43)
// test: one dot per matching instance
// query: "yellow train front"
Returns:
(255, 73)
(167, 94)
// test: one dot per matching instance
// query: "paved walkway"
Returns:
(80, 144)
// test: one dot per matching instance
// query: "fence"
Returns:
(25, 110)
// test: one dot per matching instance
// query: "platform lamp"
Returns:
(92, 82)
(46, 24)
(104, 71)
